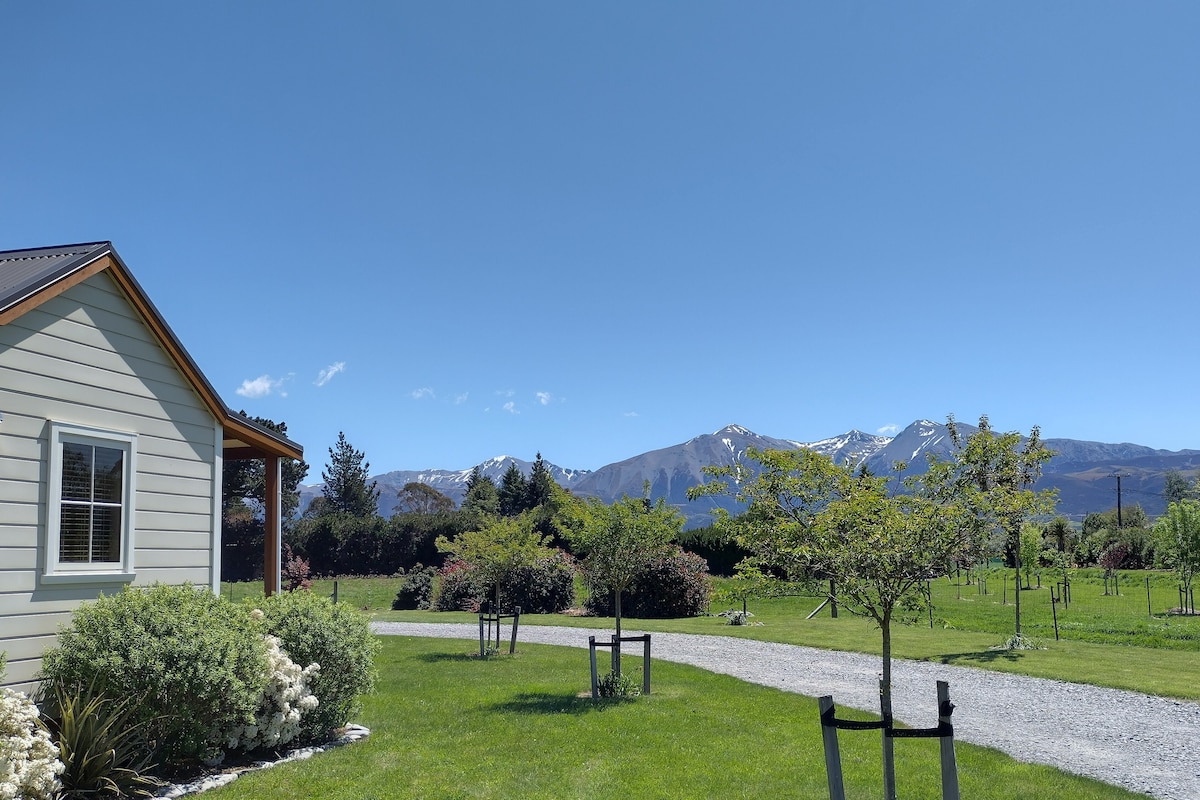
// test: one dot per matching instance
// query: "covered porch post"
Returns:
(272, 526)
(244, 439)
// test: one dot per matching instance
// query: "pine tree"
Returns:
(514, 489)
(481, 496)
(347, 490)
(540, 484)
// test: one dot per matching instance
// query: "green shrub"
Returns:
(103, 747)
(457, 589)
(547, 587)
(313, 629)
(673, 585)
(416, 589)
(614, 685)
(190, 659)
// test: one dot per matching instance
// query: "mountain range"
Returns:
(1083, 472)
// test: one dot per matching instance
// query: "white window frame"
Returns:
(56, 571)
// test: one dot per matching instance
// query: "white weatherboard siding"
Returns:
(85, 358)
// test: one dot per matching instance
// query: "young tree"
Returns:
(618, 540)
(1030, 550)
(993, 475)
(497, 550)
(348, 488)
(1177, 534)
(811, 519)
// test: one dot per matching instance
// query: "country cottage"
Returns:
(111, 446)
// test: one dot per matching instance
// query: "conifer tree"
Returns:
(513, 491)
(481, 496)
(540, 484)
(348, 488)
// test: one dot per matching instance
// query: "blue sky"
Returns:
(460, 230)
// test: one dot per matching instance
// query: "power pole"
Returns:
(1120, 522)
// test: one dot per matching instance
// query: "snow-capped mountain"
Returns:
(855, 445)
(452, 483)
(1081, 471)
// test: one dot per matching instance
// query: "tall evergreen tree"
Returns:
(347, 489)
(481, 496)
(540, 484)
(514, 490)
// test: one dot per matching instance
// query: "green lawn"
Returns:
(966, 626)
(446, 724)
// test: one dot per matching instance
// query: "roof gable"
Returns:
(29, 278)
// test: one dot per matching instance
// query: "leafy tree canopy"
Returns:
(421, 498)
(498, 548)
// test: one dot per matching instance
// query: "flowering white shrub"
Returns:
(285, 698)
(29, 765)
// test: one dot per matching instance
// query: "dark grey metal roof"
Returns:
(25, 272)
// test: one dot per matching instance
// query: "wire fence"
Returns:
(1123, 607)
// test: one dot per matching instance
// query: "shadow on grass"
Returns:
(436, 658)
(547, 703)
(979, 657)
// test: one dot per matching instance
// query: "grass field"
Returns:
(1165, 661)
(446, 724)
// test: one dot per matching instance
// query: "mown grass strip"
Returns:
(447, 724)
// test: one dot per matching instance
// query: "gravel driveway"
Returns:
(1143, 743)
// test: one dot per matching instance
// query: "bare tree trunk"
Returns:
(497, 616)
(885, 705)
(616, 658)
(1017, 593)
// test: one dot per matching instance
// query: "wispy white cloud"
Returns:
(460, 399)
(630, 414)
(544, 398)
(326, 375)
(505, 392)
(888, 430)
(424, 393)
(511, 407)
(261, 386)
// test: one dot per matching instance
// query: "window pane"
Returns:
(106, 534)
(77, 471)
(109, 469)
(74, 533)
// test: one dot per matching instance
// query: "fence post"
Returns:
(592, 655)
(949, 766)
(481, 650)
(616, 655)
(512, 645)
(1054, 610)
(833, 759)
(335, 590)
(646, 667)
